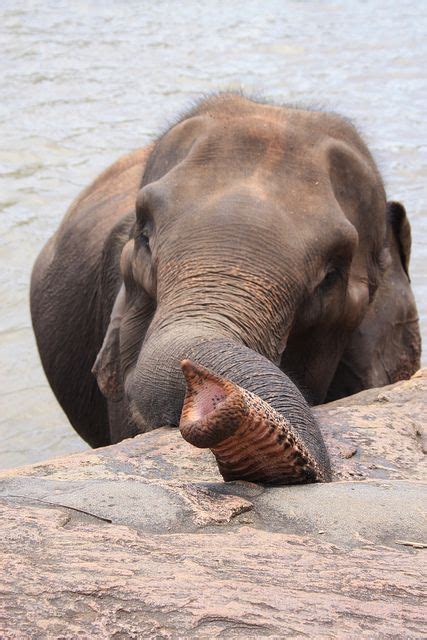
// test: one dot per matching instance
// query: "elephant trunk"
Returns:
(250, 440)
(238, 403)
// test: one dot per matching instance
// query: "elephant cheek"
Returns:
(143, 273)
(126, 259)
(357, 302)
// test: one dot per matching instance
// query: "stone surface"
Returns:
(144, 540)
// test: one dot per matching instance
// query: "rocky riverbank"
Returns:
(144, 540)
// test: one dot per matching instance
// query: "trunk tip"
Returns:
(192, 372)
(210, 413)
(195, 373)
(187, 366)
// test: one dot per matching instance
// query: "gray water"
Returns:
(84, 83)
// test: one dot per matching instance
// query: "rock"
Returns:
(144, 540)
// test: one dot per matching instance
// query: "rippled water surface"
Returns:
(83, 83)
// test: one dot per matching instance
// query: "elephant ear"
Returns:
(107, 368)
(386, 347)
(396, 214)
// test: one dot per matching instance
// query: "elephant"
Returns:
(250, 245)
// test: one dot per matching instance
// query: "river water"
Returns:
(84, 83)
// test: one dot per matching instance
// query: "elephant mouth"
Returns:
(250, 440)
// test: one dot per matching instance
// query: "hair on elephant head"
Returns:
(261, 247)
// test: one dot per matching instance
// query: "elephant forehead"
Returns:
(259, 170)
(230, 147)
(255, 139)
(258, 150)
(259, 187)
(286, 208)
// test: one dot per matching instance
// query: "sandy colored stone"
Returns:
(144, 540)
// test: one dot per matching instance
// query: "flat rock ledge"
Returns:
(144, 540)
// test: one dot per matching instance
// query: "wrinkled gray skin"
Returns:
(253, 239)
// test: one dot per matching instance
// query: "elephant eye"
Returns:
(332, 276)
(144, 238)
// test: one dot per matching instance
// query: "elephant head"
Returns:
(258, 245)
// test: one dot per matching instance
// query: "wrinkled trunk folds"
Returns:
(250, 440)
(297, 452)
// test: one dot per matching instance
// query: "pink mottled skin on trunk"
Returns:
(249, 439)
